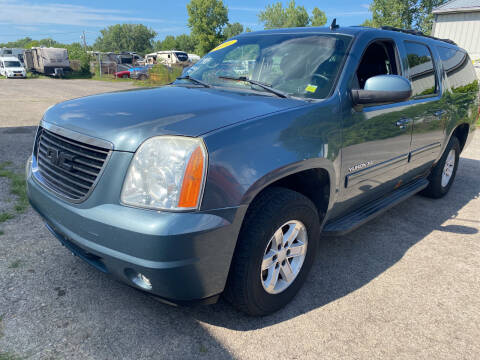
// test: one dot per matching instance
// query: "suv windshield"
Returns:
(11, 64)
(300, 65)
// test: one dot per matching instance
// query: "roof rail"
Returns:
(416, 32)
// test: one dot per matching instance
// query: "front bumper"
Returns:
(185, 256)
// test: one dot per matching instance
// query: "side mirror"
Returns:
(383, 89)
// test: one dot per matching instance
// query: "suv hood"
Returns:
(128, 118)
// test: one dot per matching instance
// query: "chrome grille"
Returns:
(68, 167)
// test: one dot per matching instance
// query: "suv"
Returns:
(224, 182)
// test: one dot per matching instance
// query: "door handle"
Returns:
(403, 123)
(439, 113)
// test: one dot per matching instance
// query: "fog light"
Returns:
(139, 279)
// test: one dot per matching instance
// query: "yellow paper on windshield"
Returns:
(224, 45)
(311, 88)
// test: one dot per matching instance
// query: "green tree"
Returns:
(232, 30)
(318, 17)
(406, 14)
(276, 16)
(206, 19)
(169, 43)
(185, 43)
(125, 37)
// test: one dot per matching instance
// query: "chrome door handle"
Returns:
(439, 113)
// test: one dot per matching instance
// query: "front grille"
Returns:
(68, 167)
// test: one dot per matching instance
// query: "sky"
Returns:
(66, 21)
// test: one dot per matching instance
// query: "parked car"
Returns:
(11, 67)
(140, 73)
(124, 74)
(15, 52)
(224, 182)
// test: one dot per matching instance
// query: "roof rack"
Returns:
(416, 32)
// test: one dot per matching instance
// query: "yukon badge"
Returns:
(360, 166)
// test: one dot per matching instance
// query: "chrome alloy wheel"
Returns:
(448, 168)
(284, 257)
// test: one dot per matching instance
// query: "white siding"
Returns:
(464, 29)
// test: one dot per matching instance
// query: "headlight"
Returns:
(166, 173)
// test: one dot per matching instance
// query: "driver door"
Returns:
(376, 137)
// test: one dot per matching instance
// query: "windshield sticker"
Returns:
(224, 45)
(311, 88)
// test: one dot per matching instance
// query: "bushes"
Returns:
(161, 74)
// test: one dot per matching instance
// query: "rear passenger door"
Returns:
(427, 111)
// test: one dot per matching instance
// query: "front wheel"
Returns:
(275, 251)
(442, 175)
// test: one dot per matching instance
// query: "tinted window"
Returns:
(459, 69)
(421, 69)
(181, 56)
(378, 59)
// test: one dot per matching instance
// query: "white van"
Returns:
(15, 52)
(11, 67)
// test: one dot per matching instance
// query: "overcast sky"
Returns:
(65, 22)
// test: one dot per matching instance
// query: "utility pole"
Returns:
(84, 40)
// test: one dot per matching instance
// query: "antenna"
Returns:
(334, 25)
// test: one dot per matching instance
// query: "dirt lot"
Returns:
(406, 285)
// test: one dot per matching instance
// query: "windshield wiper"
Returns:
(253, 82)
(196, 81)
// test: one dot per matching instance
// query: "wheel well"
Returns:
(461, 133)
(313, 183)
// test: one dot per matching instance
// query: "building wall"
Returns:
(464, 29)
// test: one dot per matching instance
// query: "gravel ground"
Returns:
(405, 285)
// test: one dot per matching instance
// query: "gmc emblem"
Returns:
(60, 159)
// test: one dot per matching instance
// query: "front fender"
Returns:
(247, 157)
(290, 169)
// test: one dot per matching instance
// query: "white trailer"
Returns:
(48, 61)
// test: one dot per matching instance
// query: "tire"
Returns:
(142, 77)
(274, 211)
(438, 186)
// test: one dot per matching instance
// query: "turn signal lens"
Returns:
(192, 180)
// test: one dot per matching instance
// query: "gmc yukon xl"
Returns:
(224, 181)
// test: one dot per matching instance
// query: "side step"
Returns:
(367, 212)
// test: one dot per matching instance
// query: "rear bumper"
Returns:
(185, 256)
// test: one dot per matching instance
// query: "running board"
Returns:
(371, 210)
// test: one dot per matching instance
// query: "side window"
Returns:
(421, 69)
(378, 59)
(459, 69)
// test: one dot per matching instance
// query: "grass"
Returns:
(4, 216)
(15, 264)
(17, 188)
(9, 356)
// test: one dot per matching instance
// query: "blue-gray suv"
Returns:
(224, 181)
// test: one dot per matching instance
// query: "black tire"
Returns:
(273, 208)
(142, 77)
(435, 189)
